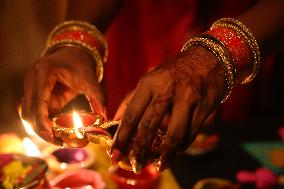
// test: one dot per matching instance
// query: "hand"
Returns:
(188, 88)
(55, 80)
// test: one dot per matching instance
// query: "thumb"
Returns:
(98, 107)
(97, 98)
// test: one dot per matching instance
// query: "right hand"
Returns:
(55, 80)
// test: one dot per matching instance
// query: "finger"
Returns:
(201, 114)
(180, 119)
(26, 112)
(211, 119)
(165, 121)
(147, 128)
(60, 96)
(121, 109)
(95, 94)
(130, 120)
(40, 103)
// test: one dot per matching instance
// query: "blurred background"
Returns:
(24, 28)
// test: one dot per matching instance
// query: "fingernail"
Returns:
(136, 167)
(160, 167)
(116, 156)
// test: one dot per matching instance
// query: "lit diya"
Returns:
(78, 129)
(63, 159)
(20, 171)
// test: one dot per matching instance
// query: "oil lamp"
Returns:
(80, 128)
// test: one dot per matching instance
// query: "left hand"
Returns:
(188, 88)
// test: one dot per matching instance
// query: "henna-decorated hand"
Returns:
(55, 80)
(189, 88)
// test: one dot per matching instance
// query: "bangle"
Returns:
(221, 53)
(248, 38)
(75, 25)
(238, 49)
(81, 35)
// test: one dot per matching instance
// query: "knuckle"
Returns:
(145, 80)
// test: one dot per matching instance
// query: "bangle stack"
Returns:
(220, 52)
(245, 34)
(82, 35)
(234, 46)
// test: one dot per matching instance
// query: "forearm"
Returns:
(97, 12)
(266, 21)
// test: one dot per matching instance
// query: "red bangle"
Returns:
(81, 36)
(237, 48)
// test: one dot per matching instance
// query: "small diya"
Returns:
(78, 129)
(215, 183)
(62, 159)
(20, 171)
(82, 178)
(147, 178)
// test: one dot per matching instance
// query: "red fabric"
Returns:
(147, 32)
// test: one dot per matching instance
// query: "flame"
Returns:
(77, 124)
(30, 148)
(26, 124)
(39, 141)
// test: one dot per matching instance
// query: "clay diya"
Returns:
(147, 178)
(63, 159)
(82, 178)
(93, 128)
(215, 183)
(203, 144)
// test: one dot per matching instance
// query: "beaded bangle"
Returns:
(81, 35)
(235, 45)
(75, 25)
(220, 52)
(248, 38)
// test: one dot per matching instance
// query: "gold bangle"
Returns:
(223, 56)
(75, 25)
(245, 33)
(74, 43)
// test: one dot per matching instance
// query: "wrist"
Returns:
(236, 49)
(82, 35)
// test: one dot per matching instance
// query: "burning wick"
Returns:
(77, 124)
